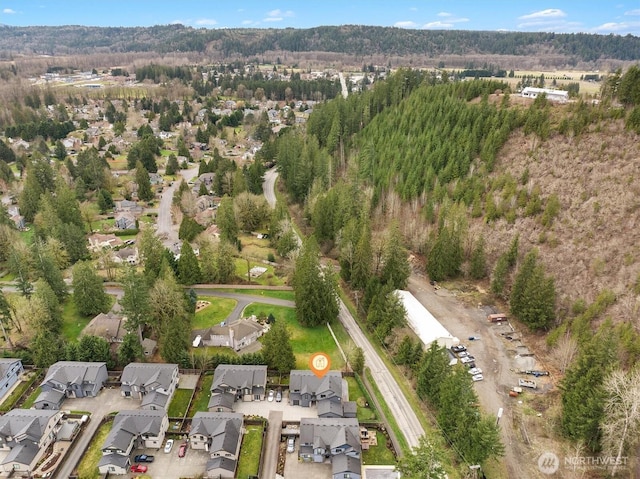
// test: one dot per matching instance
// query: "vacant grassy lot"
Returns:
(250, 452)
(201, 399)
(88, 467)
(180, 403)
(213, 314)
(379, 454)
(305, 341)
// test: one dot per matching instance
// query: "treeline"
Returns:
(48, 129)
(280, 90)
(158, 73)
(349, 39)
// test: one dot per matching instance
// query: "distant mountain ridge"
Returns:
(348, 39)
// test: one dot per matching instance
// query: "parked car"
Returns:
(271, 395)
(138, 468)
(291, 444)
(467, 359)
(474, 338)
(458, 349)
(463, 354)
(168, 446)
(279, 396)
(143, 458)
(477, 377)
(474, 371)
(183, 449)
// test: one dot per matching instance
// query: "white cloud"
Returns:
(437, 24)
(631, 27)
(633, 12)
(445, 14)
(9, 11)
(247, 22)
(206, 22)
(413, 9)
(277, 13)
(544, 14)
(272, 19)
(405, 24)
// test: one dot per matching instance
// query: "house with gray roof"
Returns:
(25, 435)
(238, 382)
(220, 434)
(138, 429)
(335, 439)
(152, 383)
(10, 371)
(70, 379)
(237, 335)
(306, 389)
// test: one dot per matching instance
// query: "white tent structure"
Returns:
(424, 324)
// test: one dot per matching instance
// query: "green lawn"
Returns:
(27, 235)
(88, 467)
(269, 293)
(31, 398)
(305, 341)
(11, 399)
(73, 322)
(250, 450)
(180, 402)
(268, 278)
(379, 454)
(215, 313)
(8, 276)
(201, 399)
(358, 395)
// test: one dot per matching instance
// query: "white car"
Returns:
(291, 444)
(463, 354)
(271, 395)
(477, 377)
(466, 360)
(168, 446)
(475, 371)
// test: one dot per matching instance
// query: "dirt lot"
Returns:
(499, 360)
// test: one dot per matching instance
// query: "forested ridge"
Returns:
(348, 39)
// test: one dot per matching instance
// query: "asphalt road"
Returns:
(400, 408)
(269, 186)
(165, 229)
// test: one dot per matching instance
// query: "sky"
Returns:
(560, 16)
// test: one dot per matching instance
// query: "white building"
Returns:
(424, 324)
(560, 96)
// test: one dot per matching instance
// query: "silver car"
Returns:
(291, 444)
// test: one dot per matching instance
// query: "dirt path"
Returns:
(491, 356)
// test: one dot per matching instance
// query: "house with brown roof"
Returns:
(98, 241)
(109, 326)
(237, 335)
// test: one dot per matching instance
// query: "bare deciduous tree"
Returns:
(621, 422)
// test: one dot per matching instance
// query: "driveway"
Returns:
(170, 466)
(165, 226)
(308, 470)
(109, 400)
(265, 408)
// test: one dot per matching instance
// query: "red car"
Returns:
(138, 468)
(183, 449)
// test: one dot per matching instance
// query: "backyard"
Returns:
(379, 454)
(364, 412)
(201, 398)
(268, 278)
(73, 322)
(180, 403)
(88, 467)
(249, 461)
